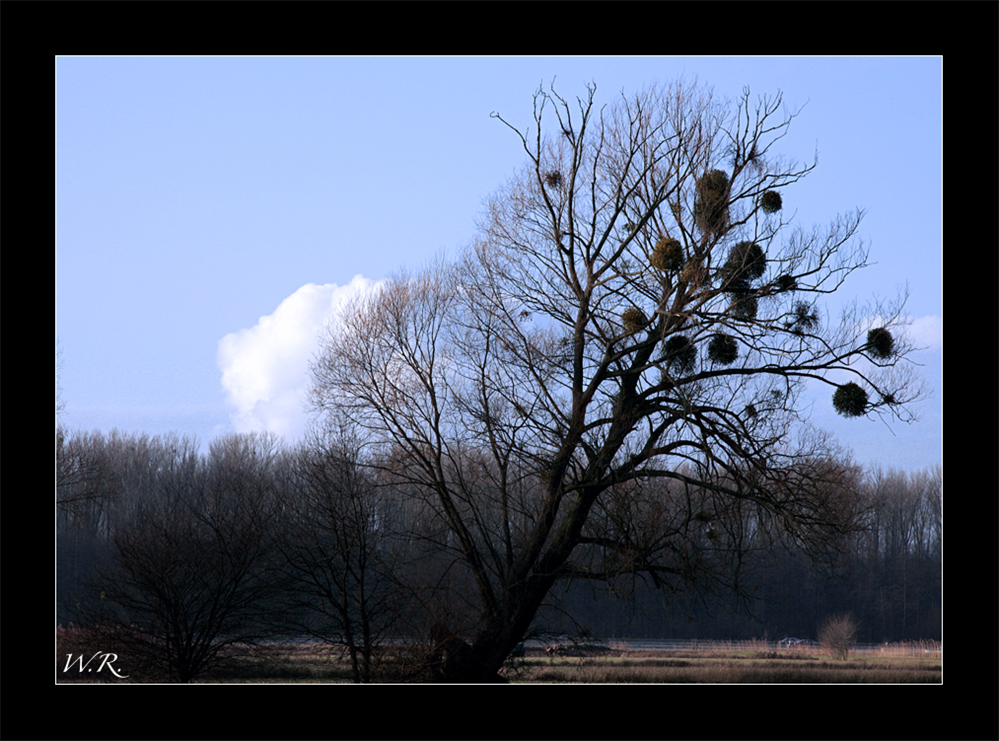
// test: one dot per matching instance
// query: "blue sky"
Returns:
(210, 211)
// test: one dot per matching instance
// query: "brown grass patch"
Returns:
(579, 664)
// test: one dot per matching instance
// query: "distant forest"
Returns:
(254, 522)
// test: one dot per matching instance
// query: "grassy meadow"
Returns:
(726, 666)
(711, 663)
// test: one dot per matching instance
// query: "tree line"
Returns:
(887, 578)
(179, 554)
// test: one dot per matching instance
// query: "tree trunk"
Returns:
(481, 661)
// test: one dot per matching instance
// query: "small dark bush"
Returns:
(837, 635)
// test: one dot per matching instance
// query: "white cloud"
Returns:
(265, 369)
(927, 331)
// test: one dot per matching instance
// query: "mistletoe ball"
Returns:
(770, 202)
(850, 400)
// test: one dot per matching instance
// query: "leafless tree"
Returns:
(906, 512)
(902, 546)
(635, 309)
(101, 479)
(192, 569)
(77, 476)
(336, 550)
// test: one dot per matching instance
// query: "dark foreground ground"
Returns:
(582, 663)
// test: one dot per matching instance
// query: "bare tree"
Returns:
(635, 309)
(192, 571)
(902, 544)
(335, 549)
(101, 480)
(78, 476)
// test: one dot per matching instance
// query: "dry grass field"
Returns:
(719, 666)
(711, 663)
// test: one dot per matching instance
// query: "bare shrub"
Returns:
(838, 634)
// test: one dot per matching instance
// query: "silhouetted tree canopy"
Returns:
(564, 348)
